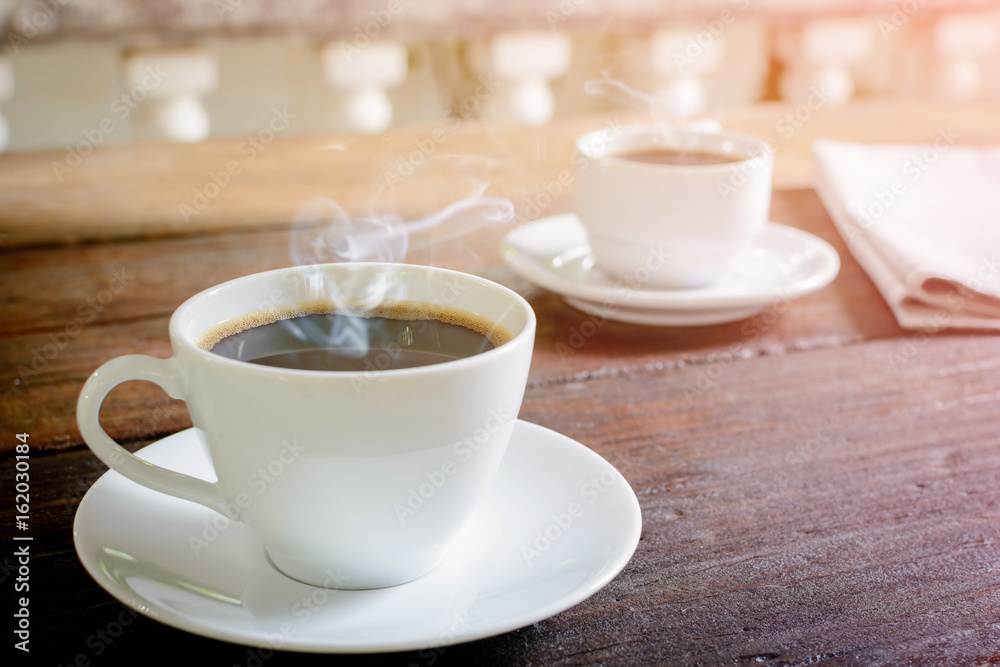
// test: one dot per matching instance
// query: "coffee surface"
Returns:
(328, 337)
(673, 156)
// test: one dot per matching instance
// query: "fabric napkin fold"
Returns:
(924, 223)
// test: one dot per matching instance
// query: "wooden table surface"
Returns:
(817, 485)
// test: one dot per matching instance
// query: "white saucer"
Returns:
(135, 543)
(784, 263)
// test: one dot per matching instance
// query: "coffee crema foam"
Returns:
(495, 333)
(680, 157)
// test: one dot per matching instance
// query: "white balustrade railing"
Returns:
(522, 65)
(362, 74)
(180, 93)
(166, 87)
(962, 43)
(6, 92)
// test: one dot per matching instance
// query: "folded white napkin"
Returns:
(924, 222)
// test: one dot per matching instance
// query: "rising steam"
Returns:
(683, 103)
(324, 232)
(448, 197)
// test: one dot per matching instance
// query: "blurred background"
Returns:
(82, 73)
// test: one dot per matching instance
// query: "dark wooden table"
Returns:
(817, 485)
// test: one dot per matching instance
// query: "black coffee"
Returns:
(328, 337)
(673, 156)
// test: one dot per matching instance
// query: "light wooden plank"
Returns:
(139, 190)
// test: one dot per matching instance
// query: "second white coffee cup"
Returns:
(671, 225)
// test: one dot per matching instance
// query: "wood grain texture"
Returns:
(822, 506)
(139, 190)
(48, 291)
(819, 487)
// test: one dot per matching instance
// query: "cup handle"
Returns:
(164, 373)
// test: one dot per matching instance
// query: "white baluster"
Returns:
(166, 86)
(523, 64)
(684, 56)
(362, 75)
(819, 62)
(6, 92)
(962, 40)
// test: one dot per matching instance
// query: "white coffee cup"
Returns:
(368, 477)
(671, 225)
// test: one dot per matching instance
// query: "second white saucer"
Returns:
(784, 263)
(558, 523)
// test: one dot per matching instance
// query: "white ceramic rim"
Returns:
(756, 148)
(179, 338)
(628, 541)
(533, 267)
